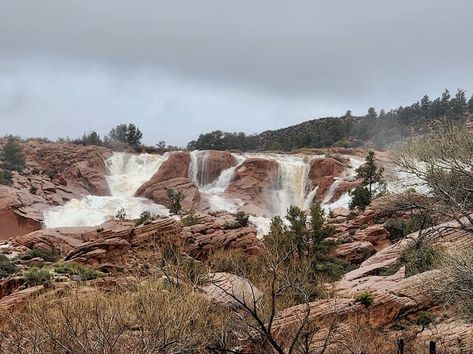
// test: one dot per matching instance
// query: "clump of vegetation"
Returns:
(231, 261)
(7, 267)
(424, 318)
(6, 178)
(456, 284)
(442, 163)
(371, 175)
(174, 200)
(47, 256)
(126, 134)
(144, 219)
(365, 298)
(120, 214)
(12, 156)
(91, 138)
(36, 276)
(190, 219)
(73, 268)
(418, 258)
(241, 220)
(398, 228)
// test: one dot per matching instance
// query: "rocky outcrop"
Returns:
(251, 182)
(157, 191)
(173, 174)
(355, 252)
(210, 235)
(175, 166)
(212, 163)
(62, 240)
(99, 252)
(376, 235)
(322, 174)
(17, 300)
(18, 213)
(81, 168)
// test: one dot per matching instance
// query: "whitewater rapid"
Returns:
(126, 173)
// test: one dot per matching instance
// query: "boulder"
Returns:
(156, 191)
(95, 253)
(231, 291)
(18, 300)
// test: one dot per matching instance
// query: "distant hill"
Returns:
(375, 129)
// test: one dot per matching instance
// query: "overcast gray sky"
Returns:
(178, 68)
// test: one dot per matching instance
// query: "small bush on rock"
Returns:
(6, 267)
(120, 214)
(190, 219)
(144, 218)
(5, 178)
(174, 200)
(241, 220)
(83, 271)
(36, 276)
(424, 318)
(365, 298)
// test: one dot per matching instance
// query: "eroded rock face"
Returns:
(213, 164)
(81, 168)
(15, 217)
(157, 191)
(62, 240)
(252, 181)
(322, 174)
(175, 166)
(173, 174)
(209, 235)
(395, 297)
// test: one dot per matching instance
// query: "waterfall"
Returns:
(126, 173)
(345, 198)
(293, 183)
(215, 191)
(198, 166)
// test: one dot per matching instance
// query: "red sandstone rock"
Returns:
(214, 162)
(14, 221)
(252, 181)
(355, 252)
(375, 234)
(322, 174)
(60, 239)
(156, 191)
(176, 165)
(99, 252)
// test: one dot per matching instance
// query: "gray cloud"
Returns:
(184, 67)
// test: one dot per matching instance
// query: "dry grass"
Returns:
(151, 320)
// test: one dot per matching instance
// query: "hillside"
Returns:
(372, 130)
